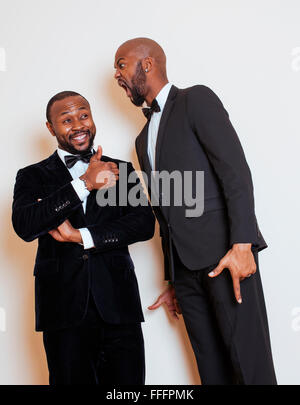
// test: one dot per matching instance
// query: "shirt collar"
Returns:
(163, 95)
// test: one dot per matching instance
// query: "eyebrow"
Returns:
(68, 112)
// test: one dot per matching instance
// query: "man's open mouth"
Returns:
(124, 85)
(80, 137)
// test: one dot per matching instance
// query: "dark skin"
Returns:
(150, 58)
(73, 126)
(239, 260)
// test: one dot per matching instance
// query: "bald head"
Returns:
(143, 48)
(140, 65)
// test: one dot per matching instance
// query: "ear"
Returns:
(49, 126)
(147, 64)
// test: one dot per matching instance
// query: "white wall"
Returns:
(247, 51)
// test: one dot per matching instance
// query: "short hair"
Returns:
(60, 96)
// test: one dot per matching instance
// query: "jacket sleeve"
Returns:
(135, 225)
(216, 134)
(31, 218)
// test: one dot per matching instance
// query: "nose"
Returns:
(117, 75)
(77, 125)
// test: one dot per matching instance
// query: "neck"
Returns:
(154, 90)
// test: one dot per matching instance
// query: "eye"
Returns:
(84, 116)
(67, 121)
(121, 65)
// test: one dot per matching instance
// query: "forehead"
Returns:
(125, 52)
(69, 105)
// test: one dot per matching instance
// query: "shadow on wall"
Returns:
(123, 106)
(21, 318)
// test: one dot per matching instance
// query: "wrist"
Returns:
(242, 246)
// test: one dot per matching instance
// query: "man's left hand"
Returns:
(66, 233)
(240, 262)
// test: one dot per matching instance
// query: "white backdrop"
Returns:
(248, 52)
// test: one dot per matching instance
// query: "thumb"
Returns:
(99, 153)
(217, 270)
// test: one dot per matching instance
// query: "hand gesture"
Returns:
(240, 262)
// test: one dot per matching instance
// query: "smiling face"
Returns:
(72, 124)
(130, 75)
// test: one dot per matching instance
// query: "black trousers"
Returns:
(231, 341)
(96, 352)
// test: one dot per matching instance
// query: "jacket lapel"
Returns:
(163, 122)
(60, 175)
(58, 172)
(144, 148)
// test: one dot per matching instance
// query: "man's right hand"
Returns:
(168, 297)
(100, 174)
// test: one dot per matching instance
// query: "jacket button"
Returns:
(85, 256)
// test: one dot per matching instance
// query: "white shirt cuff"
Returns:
(80, 189)
(87, 239)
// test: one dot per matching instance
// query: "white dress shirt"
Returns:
(154, 123)
(76, 171)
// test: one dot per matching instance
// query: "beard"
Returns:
(138, 86)
(68, 147)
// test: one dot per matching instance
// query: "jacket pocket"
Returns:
(212, 204)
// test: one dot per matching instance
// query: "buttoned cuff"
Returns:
(80, 189)
(87, 239)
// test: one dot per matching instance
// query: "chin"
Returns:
(137, 103)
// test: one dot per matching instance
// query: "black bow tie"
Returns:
(72, 159)
(148, 111)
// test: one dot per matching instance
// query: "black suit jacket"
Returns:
(65, 273)
(195, 134)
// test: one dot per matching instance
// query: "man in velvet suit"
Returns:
(211, 260)
(87, 298)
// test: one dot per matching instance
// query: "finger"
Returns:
(157, 304)
(62, 225)
(174, 315)
(172, 308)
(237, 289)
(218, 270)
(112, 164)
(114, 170)
(56, 235)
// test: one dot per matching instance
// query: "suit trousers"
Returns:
(231, 341)
(96, 352)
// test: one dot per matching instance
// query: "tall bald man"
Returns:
(211, 260)
(87, 299)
